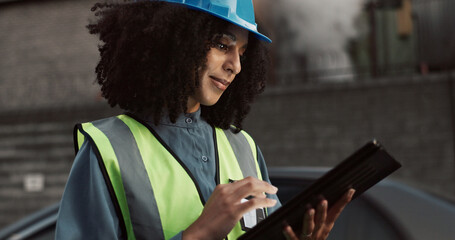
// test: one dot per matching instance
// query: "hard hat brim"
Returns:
(248, 26)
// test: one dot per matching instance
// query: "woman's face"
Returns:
(223, 64)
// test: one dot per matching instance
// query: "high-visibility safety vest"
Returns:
(153, 192)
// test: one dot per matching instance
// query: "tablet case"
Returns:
(363, 169)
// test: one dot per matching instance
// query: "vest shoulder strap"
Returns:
(245, 151)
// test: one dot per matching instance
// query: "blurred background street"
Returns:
(343, 72)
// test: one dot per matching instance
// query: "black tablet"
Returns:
(363, 169)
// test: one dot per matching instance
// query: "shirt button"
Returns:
(205, 159)
(188, 120)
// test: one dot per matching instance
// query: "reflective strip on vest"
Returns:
(156, 193)
(248, 156)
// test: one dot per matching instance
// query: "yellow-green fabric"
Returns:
(176, 194)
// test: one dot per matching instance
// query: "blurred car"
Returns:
(389, 210)
(37, 226)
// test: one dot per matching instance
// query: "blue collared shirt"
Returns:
(86, 210)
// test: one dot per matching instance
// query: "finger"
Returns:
(252, 187)
(255, 203)
(338, 207)
(320, 216)
(289, 233)
(308, 223)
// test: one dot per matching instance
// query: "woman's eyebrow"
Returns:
(230, 35)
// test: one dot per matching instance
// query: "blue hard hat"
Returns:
(238, 12)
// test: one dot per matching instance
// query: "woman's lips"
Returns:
(220, 83)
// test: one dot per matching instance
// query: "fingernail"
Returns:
(285, 232)
(311, 213)
(351, 192)
(324, 204)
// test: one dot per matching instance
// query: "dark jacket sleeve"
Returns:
(86, 210)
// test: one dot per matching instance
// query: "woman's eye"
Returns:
(222, 46)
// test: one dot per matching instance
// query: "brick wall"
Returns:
(322, 124)
(46, 70)
(47, 55)
(37, 146)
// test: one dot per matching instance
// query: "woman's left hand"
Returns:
(318, 224)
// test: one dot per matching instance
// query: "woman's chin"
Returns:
(210, 102)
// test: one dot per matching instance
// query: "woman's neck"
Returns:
(192, 105)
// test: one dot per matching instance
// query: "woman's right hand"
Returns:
(224, 208)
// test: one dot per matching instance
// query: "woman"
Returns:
(185, 72)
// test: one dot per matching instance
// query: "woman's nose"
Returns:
(232, 63)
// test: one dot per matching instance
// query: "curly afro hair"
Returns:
(150, 55)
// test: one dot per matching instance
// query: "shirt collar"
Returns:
(186, 120)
